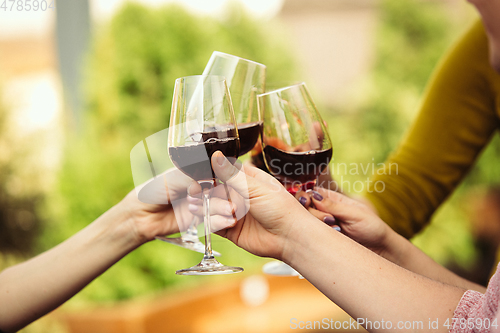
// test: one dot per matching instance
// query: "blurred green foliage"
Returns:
(130, 76)
(18, 197)
(411, 38)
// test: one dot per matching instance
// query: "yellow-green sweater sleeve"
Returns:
(458, 116)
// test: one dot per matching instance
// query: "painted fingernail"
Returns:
(303, 201)
(221, 159)
(330, 220)
(317, 196)
(336, 227)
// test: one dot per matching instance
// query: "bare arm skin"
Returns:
(360, 223)
(32, 289)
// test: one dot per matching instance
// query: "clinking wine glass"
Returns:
(201, 123)
(296, 145)
(245, 80)
(257, 158)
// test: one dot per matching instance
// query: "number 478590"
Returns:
(27, 5)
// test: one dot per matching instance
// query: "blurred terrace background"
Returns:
(83, 83)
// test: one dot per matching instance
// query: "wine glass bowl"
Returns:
(296, 145)
(201, 123)
(245, 80)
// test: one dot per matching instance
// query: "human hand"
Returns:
(356, 220)
(159, 207)
(272, 211)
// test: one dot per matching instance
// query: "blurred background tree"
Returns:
(18, 222)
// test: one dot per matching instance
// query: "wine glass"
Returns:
(201, 123)
(245, 80)
(295, 143)
(257, 158)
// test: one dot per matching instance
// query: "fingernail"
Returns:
(192, 208)
(317, 196)
(303, 201)
(221, 159)
(330, 220)
(336, 227)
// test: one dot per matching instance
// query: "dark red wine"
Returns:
(213, 132)
(249, 134)
(258, 160)
(300, 167)
(194, 160)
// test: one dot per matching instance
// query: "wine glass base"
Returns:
(187, 244)
(279, 268)
(209, 266)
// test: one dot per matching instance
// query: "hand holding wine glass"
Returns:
(202, 122)
(245, 79)
(155, 201)
(296, 146)
(357, 220)
(271, 212)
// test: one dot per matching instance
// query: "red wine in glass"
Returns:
(245, 80)
(194, 160)
(249, 135)
(297, 168)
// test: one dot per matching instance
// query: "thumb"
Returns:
(230, 174)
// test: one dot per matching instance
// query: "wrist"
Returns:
(118, 226)
(394, 248)
(298, 236)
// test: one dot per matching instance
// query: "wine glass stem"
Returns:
(206, 216)
(191, 232)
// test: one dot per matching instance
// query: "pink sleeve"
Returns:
(474, 305)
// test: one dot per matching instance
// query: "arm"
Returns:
(361, 282)
(33, 288)
(366, 285)
(360, 223)
(37, 286)
(407, 255)
(456, 120)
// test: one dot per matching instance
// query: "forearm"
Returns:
(408, 256)
(364, 284)
(36, 287)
